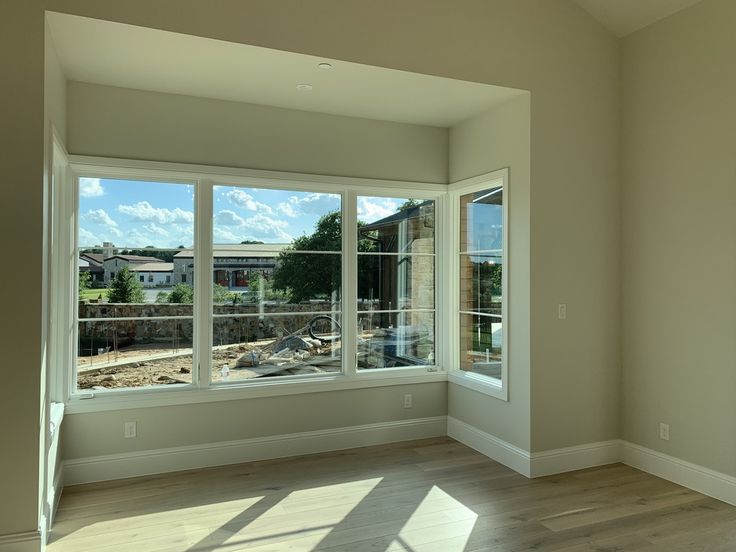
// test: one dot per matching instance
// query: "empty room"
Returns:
(357, 275)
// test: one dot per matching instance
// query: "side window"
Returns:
(481, 266)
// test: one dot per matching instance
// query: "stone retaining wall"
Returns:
(228, 327)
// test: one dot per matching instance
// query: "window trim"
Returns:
(477, 382)
(204, 177)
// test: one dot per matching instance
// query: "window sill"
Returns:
(156, 397)
(479, 383)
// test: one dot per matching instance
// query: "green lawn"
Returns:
(92, 294)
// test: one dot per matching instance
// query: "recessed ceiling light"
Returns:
(324, 65)
(304, 87)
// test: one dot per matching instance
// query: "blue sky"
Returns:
(136, 214)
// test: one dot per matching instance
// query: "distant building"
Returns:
(233, 265)
(154, 274)
(112, 265)
(92, 263)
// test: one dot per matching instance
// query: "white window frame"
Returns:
(204, 178)
(477, 382)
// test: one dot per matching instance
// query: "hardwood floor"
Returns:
(431, 495)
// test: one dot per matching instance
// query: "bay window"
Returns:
(230, 279)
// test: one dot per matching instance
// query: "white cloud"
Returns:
(371, 209)
(224, 235)
(268, 227)
(87, 238)
(99, 216)
(227, 217)
(314, 203)
(246, 201)
(287, 209)
(155, 230)
(136, 238)
(90, 187)
(231, 228)
(145, 212)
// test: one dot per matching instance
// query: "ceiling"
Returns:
(623, 17)
(116, 54)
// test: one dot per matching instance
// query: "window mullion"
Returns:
(202, 366)
(349, 283)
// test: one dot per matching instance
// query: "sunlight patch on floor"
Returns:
(300, 521)
(193, 522)
(450, 526)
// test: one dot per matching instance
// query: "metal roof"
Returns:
(153, 267)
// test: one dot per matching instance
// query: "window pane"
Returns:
(277, 345)
(265, 264)
(481, 220)
(391, 225)
(395, 339)
(391, 282)
(480, 283)
(133, 353)
(481, 339)
(135, 238)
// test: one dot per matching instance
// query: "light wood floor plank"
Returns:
(433, 495)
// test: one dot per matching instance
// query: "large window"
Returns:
(316, 280)
(264, 301)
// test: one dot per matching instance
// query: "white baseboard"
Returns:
(538, 464)
(496, 449)
(589, 455)
(29, 541)
(149, 462)
(695, 477)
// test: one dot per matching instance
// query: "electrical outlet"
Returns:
(562, 311)
(664, 431)
(130, 429)
(407, 400)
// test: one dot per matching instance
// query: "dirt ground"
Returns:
(137, 368)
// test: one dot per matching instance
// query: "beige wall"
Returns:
(494, 140)
(169, 127)
(679, 227)
(101, 433)
(22, 147)
(550, 47)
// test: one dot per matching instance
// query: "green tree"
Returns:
(304, 277)
(408, 204)
(220, 294)
(182, 293)
(85, 281)
(125, 288)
